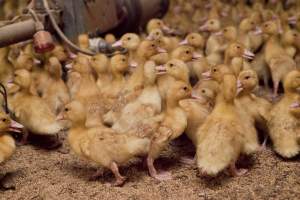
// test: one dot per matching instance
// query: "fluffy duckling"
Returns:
(290, 39)
(215, 44)
(145, 108)
(195, 40)
(101, 145)
(279, 62)
(172, 126)
(32, 111)
(199, 107)
(56, 93)
(100, 64)
(7, 143)
(220, 138)
(283, 125)
(254, 108)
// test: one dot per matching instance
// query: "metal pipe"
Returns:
(17, 32)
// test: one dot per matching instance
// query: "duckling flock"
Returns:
(212, 70)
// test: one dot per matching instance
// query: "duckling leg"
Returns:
(96, 175)
(264, 144)
(236, 172)
(153, 172)
(187, 160)
(275, 91)
(24, 139)
(120, 180)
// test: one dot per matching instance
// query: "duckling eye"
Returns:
(171, 65)
(156, 33)
(225, 30)
(211, 22)
(152, 45)
(203, 91)
(123, 60)
(187, 52)
(4, 120)
(238, 47)
(266, 25)
(185, 88)
(295, 35)
(247, 77)
(66, 109)
(192, 38)
(215, 70)
(129, 38)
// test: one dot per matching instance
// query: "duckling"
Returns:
(289, 41)
(256, 109)
(195, 40)
(215, 44)
(283, 125)
(144, 108)
(173, 125)
(24, 61)
(100, 144)
(56, 93)
(100, 64)
(32, 111)
(220, 138)
(7, 142)
(110, 38)
(199, 106)
(279, 62)
(6, 68)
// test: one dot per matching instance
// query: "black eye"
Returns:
(129, 38)
(215, 70)
(192, 38)
(211, 22)
(187, 52)
(266, 25)
(238, 47)
(123, 60)
(295, 35)
(247, 77)
(157, 33)
(4, 120)
(203, 91)
(225, 30)
(185, 88)
(66, 109)
(152, 45)
(171, 65)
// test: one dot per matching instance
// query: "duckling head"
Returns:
(82, 64)
(148, 48)
(178, 91)
(155, 34)
(247, 81)
(194, 39)
(100, 63)
(211, 25)
(9, 125)
(247, 24)
(130, 41)
(157, 24)
(185, 53)
(119, 64)
(229, 33)
(22, 78)
(24, 61)
(270, 28)
(217, 72)
(291, 81)
(238, 50)
(177, 69)
(291, 37)
(110, 38)
(74, 112)
(60, 53)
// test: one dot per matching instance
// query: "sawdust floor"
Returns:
(40, 174)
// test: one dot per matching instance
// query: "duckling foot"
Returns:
(187, 160)
(163, 176)
(96, 175)
(236, 172)
(120, 180)
(263, 146)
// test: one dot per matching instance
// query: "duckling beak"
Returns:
(160, 69)
(207, 75)
(166, 29)
(295, 105)
(118, 43)
(36, 61)
(60, 116)
(150, 37)
(218, 33)
(133, 64)
(161, 50)
(292, 20)
(72, 55)
(203, 27)
(196, 56)
(69, 66)
(248, 54)
(15, 127)
(239, 86)
(258, 31)
(184, 42)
